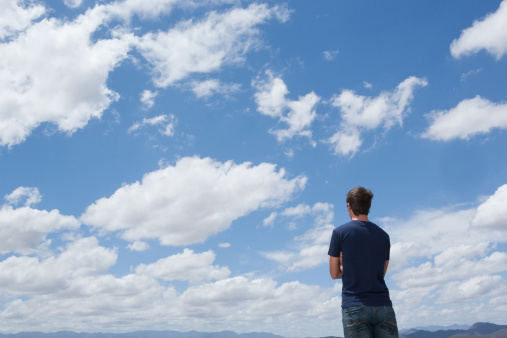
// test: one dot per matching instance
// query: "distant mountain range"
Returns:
(478, 330)
(483, 330)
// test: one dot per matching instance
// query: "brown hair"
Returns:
(359, 200)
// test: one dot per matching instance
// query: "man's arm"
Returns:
(385, 267)
(335, 267)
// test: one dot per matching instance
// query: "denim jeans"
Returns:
(366, 321)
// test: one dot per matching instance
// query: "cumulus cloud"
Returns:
(298, 115)
(455, 263)
(473, 288)
(346, 142)
(186, 266)
(166, 123)
(138, 246)
(148, 98)
(492, 214)
(29, 194)
(489, 33)
(210, 87)
(366, 113)
(23, 230)
(17, 15)
(31, 275)
(430, 232)
(252, 300)
(470, 117)
(39, 80)
(190, 201)
(311, 247)
(207, 45)
(440, 256)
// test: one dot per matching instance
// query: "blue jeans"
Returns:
(365, 321)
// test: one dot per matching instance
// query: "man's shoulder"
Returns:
(345, 226)
(380, 231)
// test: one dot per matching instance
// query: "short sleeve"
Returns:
(334, 246)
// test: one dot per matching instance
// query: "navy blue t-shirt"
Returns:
(365, 248)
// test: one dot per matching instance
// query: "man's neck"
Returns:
(363, 218)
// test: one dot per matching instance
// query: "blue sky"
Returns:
(181, 164)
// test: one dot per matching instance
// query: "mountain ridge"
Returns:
(479, 329)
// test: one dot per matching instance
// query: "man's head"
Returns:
(359, 200)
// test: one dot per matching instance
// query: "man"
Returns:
(359, 255)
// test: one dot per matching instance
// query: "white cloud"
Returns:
(468, 118)
(138, 246)
(205, 46)
(367, 113)
(270, 96)
(492, 214)
(430, 232)
(330, 55)
(148, 98)
(91, 303)
(73, 3)
(191, 201)
(224, 245)
(478, 287)
(311, 247)
(17, 15)
(253, 300)
(298, 211)
(39, 80)
(31, 195)
(268, 221)
(454, 263)
(387, 109)
(298, 115)
(23, 230)
(167, 123)
(144, 9)
(186, 266)
(346, 142)
(31, 275)
(210, 87)
(439, 256)
(489, 34)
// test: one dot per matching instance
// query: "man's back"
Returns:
(365, 249)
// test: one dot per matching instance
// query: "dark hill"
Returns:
(478, 329)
